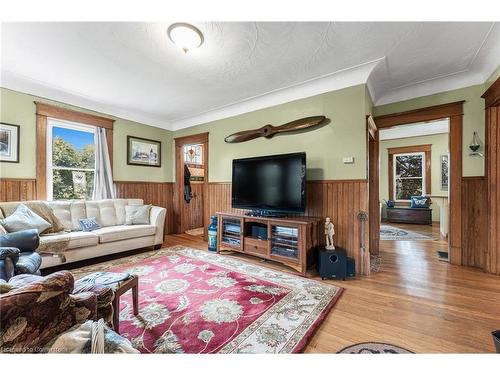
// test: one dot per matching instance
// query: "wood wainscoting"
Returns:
(341, 200)
(156, 193)
(474, 221)
(17, 189)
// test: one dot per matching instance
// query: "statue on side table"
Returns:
(329, 233)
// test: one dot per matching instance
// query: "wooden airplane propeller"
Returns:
(269, 131)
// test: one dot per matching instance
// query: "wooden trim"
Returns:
(455, 190)
(48, 110)
(43, 111)
(492, 95)
(420, 115)
(467, 178)
(180, 142)
(142, 182)
(409, 149)
(362, 180)
(17, 189)
(191, 139)
(453, 111)
(41, 157)
(373, 173)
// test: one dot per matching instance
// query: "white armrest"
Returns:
(157, 218)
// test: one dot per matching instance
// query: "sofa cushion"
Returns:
(24, 218)
(42, 209)
(104, 211)
(135, 215)
(69, 212)
(123, 232)
(88, 225)
(76, 239)
(28, 263)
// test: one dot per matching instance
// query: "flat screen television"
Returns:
(270, 184)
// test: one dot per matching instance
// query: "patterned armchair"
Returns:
(36, 309)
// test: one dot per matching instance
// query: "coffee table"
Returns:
(120, 283)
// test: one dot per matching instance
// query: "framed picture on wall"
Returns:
(9, 143)
(142, 151)
(444, 162)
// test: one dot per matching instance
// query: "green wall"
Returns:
(19, 109)
(325, 147)
(473, 119)
(492, 78)
(439, 147)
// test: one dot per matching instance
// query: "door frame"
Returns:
(373, 185)
(454, 112)
(180, 142)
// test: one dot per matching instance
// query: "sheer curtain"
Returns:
(103, 179)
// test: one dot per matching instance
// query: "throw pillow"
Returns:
(88, 225)
(38, 207)
(2, 230)
(23, 218)
(419, 201)
(135, 215)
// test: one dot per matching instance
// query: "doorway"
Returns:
(453, 114)
(191, 187)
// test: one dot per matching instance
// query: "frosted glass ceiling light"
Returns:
(185, 36)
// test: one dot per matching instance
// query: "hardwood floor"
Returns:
(415, 301)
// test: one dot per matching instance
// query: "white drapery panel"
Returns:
(103, 179)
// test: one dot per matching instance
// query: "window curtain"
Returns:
(103, 179)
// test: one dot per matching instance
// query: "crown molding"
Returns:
(429, 87)
(334, 81)
(16, 82)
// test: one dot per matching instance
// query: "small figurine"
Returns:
(329, 233)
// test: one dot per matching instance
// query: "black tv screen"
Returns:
(271, 183)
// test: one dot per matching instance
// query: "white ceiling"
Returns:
(132, 70)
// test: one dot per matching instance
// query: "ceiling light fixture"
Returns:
(185, 36)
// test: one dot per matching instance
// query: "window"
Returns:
(70, 160)
(409, 175)
(193, 154)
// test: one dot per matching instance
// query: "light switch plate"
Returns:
(348, 160)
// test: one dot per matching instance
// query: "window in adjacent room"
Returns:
(409, 175)
(70, 160)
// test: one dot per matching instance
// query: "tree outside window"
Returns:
(409, 175)
(71, 164)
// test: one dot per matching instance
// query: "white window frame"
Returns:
(394, 176)
(54, 122)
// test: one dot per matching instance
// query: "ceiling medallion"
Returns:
(185, 36)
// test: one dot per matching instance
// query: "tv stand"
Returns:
(264, 213)
(292, 241)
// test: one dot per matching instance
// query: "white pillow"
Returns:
(135, 215)
(23, 218)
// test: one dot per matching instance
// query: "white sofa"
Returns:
(113, 237)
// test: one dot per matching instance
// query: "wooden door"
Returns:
(184, 213)
(373, 186)
(492, 101)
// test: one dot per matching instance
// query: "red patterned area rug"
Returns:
(192, 301)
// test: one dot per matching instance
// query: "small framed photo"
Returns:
(444, 161)
(142, 151)
(9, 143)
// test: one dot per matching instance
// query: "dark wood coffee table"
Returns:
(119, 289)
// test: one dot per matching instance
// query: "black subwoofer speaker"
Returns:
(332, 264)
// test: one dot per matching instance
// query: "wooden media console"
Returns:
(292, 241)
